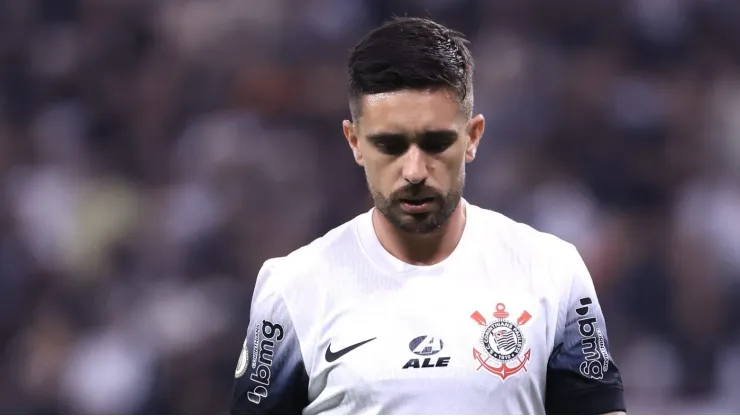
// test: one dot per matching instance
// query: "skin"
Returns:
(415, 144)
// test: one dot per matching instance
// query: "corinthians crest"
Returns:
(503, 343)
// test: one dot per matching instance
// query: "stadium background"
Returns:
(154, 153)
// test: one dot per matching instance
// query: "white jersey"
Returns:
(508, 323)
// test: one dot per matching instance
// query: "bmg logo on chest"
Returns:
(426, 346)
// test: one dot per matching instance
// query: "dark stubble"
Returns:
(443, 207)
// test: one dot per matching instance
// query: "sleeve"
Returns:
(270, 374)
(582, 377)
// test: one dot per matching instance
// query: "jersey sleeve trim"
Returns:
(594, 401)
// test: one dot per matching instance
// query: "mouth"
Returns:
(416, 205)
(416, 201)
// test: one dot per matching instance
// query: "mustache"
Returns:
(415, 191)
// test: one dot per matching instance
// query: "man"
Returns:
(425, 304)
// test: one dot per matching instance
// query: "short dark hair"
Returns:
(409, 53)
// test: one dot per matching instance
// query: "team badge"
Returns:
(503, 343)
(243, 363)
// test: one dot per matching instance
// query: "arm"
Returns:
(270, 375)
(581, 375)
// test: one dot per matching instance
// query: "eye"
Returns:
(390, 144)
(392, 147)
(434, 147)
(435, 143)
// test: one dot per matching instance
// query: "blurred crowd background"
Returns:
(153, 153)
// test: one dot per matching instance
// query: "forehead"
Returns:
(410, 111)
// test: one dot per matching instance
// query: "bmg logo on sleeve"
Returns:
(593, 342)
(264, 349)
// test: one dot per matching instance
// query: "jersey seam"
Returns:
(562, 310)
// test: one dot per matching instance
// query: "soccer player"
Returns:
(426, 303)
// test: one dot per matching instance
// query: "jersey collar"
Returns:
(377, 254)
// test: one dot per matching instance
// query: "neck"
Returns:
(421, 249)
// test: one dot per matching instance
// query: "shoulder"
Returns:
(304, 270)
(548, 260)
(525, 242)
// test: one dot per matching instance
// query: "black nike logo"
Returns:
(333, 356)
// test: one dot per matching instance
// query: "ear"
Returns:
(476, 126)
(350, 132)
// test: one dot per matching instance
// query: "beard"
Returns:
(442, 206)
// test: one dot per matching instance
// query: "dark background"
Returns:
(153, 153)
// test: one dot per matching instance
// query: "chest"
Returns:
(439, 343)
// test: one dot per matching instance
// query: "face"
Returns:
(414, 146)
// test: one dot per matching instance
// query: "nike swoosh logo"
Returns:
(332, 356)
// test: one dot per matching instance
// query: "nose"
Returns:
(414, 166)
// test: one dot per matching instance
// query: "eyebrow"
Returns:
(423, 136)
